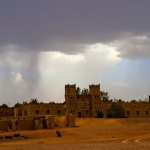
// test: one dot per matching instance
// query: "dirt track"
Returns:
(91, 134)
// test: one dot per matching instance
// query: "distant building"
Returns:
(83, 105)
(88, 105)
(6, 111)
(40, 109)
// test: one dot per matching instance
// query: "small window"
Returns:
(146, 112)
(87, 111)
(37, 111)
(71, 97)
(137, 112)
(128, 112)
(72, 111)
(48, 111)
(59, 111)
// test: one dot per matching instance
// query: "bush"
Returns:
(109, 114)
(17, 105)
(115, 111)
(100, 114)
(17, 135)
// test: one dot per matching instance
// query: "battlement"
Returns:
(94, 89)
(70, 85)
(94, 85)
(70, 89)
(82, 105)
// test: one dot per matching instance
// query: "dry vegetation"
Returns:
(89, 133)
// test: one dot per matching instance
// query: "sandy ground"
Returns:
(89, 133)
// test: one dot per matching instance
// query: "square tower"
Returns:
(94, 90)
(70, 99)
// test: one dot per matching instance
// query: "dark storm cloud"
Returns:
(65, 25)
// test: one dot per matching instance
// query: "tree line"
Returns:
(32, 101)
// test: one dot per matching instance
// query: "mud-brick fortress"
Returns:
(29, 116)
(88, 105)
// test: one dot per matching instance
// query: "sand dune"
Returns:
(89, 133)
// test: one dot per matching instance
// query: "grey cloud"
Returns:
(135, 47)
(22, 62)
(64, 25)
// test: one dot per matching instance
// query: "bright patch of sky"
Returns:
(58, 69)
(128, 79)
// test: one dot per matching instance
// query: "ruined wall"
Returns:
(64, 121)
(17, 111)
(60, 121)
(6, 111)
(50, 122)
(36, 122)
(71, 121)
(4, 125)
(25, 124)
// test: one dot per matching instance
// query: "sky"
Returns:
(46, 44)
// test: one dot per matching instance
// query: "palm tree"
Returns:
(104, 96)
(34, 101)
(4, 105)
(17, 105)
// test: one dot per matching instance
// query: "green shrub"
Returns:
(115, 111)
(100, 114)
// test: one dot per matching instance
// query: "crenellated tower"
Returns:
(82, 105)
(94, 91)
(70, 99)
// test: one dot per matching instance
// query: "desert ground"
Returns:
(89, 133)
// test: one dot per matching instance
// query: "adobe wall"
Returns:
(137, 109)
(88, 105)
(25, 125)
(36, 122)
(64, 121)
(6, 111)
(17, 111)
(82, 105)
(104, 107)
(71, 121)
(94, 89)
(40, 109)
(50, 122)
(4, 125)
(70, 99)
(132, 109)
(60, 121)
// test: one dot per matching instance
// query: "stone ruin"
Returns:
(35, 122)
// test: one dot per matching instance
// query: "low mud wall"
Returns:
(36, 122)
